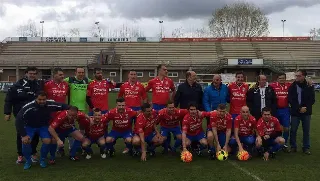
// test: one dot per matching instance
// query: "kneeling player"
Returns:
(170, 119)
(95, 129)
(221, 124)
(192, 128)
(244, 131)
(146, 131)
(269, 134)
(121, 118)
(64, 125)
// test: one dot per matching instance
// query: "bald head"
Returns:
(262, 80)
(191, 76)
(244, 112)
(216, 80)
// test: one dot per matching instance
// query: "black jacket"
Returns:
(35, 116)
(186, 94)
(254, 101)
(21, 93)
(307, 98)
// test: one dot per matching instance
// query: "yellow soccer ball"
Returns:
(222, 155)
(186, 156)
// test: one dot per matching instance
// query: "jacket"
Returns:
(186, 94)
(212, 97)
(22, 92)
(254, 101)
(35, 116)
(307, 99)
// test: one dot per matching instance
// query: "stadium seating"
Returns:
(235, 50)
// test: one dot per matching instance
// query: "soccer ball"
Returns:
(222, 155)
(243, 156)
(186, 156)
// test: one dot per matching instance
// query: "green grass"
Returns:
(292, 166)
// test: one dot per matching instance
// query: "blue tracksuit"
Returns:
(212, 97)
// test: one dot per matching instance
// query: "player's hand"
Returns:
(218, 147)
(7, 117)
(26, 140)
(225, 148)
(241, 149)
(184, 149)
(60, 143)
(144, 156)
(303, 110)
(266, 137)
(258, 141)
(309, 81)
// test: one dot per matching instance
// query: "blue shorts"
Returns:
(175, 131)
(148, 139)
(102, 112)
(116, 134)
(246, 140)
(197, 137)
(95, 141)
(65, 133)
(136, 108)
(284, 117)
(222, 138)
(158, 107)
(43, 132)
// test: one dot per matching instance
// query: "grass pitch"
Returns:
(286, 166)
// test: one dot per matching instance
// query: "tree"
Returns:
(314, 32)
(28, 29)
(74, 32)
(239, 20)
(178, 33)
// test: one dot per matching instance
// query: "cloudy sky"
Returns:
(62, 15)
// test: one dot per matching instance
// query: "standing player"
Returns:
(121, 118)
(146, 131)
(34, 118)
(237, 92)
(281, 88)
(63, 126)
(170, 119)
(95, 129)
(192, 128)
(98, 92)
(220, 129)
(244, 131)
(269, 134)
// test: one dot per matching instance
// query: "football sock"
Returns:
(286, 136)
(26, 150)
(53, 148)
(177, 143)
(76, 144)
(44, 151)
(276, 147)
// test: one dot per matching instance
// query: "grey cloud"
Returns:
(2, 10)
(181, 9)
(33, 2)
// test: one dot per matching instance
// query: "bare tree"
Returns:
(314, 32)
(74, 32)
(240, 19)
(28, 29)
(178, 33)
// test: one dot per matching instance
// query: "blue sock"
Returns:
(110, 146)
(212, 149)
(276, 147)
(88, 149)
(44, 151)
(202, 147)
(129, 146)
(286, 136)
(151, 147)
(76, 144)
(53, 148)
(177, 143)
(26, 151)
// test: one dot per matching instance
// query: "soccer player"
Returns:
(269, 134)
(98, 92)
(63, 126)
(170, 119)
(121, 118)
(192, 128)
(281, 88)
(95, 129)
(146, 131)
(219, 130)
(34, 118)
(244, 131)
(237, 92)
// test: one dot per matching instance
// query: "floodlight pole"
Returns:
(283, 21)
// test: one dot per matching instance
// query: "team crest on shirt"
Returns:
(272, 124)
(243, 89)
(249, 124)
(166, 82)
(137, 88)
(285, 87)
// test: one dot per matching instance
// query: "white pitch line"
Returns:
(245, 171)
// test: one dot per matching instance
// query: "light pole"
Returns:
(283, 21)
(97, 23)
(161, 29)
(41, 22)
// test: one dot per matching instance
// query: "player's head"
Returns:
(72, 112)
(244, 112)
(96, 114)
(79, 71)
(120, 104)
(300, 75)
(58, 74)
(192, 107)
(239, 77)
(262, 80)
(98, 73)
(266, 113)
(132, 76)
(41, 98)
(31, 73)
(170, 107)
(191, 76)
(162, 70)
(216, 80)
(222, 110)
(146, 109)
(282, 78)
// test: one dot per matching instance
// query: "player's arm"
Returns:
(215, 132)
(206, 100)
(88, 97)
(249, 98)
(148, 87)
(144, 95)
(173, 91)
(177, 97)
(228, 132)
(8, 102)
(21, 121)
(184, 134)
(58, 106)
(236, 134)
(121, 91)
